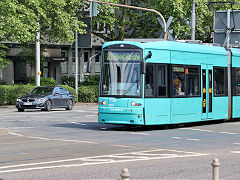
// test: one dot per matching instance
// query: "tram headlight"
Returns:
(102, 103)
(135, 104)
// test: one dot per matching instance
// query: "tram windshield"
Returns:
(121, 73)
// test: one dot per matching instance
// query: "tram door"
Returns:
(207, 84)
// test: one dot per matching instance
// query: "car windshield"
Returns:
(121, 73)
(42, 91)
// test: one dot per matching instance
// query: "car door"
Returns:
(64, 97)
(56, 100)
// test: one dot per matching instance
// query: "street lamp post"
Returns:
(193, 20)
(38, 72)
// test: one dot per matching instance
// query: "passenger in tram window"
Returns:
(180, 91)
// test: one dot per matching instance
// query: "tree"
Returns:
(58, 22)
(3, 60)
(131, 23)
(57, 18)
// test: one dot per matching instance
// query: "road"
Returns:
(71, 145)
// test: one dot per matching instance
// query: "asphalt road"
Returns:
(71, 145)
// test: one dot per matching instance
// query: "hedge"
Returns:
(9, 93)
(88, 94)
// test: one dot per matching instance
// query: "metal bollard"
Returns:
(215, 165)
(125, 174)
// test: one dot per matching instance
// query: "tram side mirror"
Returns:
(89, 63)
(144, 64)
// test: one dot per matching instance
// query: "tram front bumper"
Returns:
(117, 115)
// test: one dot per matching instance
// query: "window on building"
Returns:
(219, 80)
(86, 56)
(178, 81)
(193, 81)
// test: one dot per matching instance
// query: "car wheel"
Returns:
(20, 109)
(69, 105)
(48, 105)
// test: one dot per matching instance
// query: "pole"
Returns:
(38, 72)
(215, 169)
(138, 8)
(228, 29)
(193, 20)
(76, 62)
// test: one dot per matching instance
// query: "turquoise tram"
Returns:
(167, 82)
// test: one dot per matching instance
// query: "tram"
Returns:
(167, 82)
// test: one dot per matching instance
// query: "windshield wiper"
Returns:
(128, 89)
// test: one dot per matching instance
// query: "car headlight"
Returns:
(19, 100)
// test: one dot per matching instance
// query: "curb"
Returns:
(3, 131)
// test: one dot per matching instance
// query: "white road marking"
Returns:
(210, 131)
(20, 127)
(235, 152)
(193, 139)
(116, 145)
(176, 137)
(140, 133)
(227, 133)
(104, 159)
(236, 143)
(49, 139)
(204, 130)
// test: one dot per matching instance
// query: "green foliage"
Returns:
(57, 19)
(91, 80)
(9, 93)
(88, 94)
(2, 82)
(130, 23)
(3, 52)
(70, 81)
(43, 81)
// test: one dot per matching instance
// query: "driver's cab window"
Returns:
(149, 81)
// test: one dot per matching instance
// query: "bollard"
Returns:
(215, 165)
(125, 174)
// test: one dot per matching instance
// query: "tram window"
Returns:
(161, 81)
(219, 77)
(237, 81)
(193, 81)
(178, 80)
(155, 81)
(149, 81)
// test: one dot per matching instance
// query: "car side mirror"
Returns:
(89, 63)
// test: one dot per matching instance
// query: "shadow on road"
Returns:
(110, 127)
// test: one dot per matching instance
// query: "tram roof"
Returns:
(173, 45)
